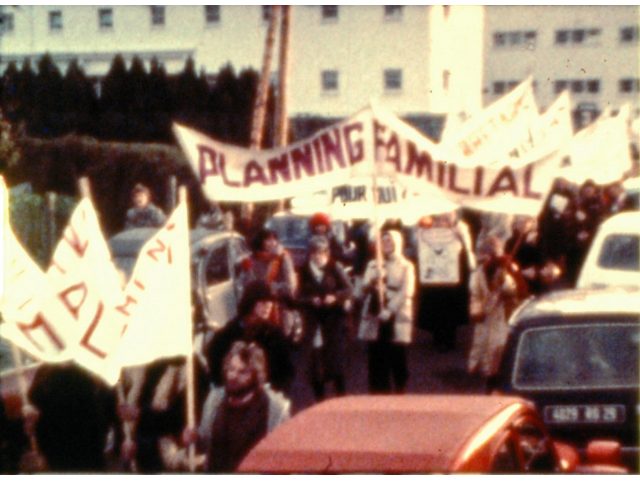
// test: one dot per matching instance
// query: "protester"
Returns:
(254, 323)
(320, 225)
(496, 290)
(271, 263)
(445, 258)
(72, 414)
(324, 292)
(239, 414)
(387, 318)
(143, 213)
(523, 248)
(156, 407)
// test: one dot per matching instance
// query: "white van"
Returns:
(613, 259)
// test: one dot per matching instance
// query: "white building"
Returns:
(591, 50)
(412, 59)
(341, 56)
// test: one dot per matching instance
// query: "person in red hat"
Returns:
(320, 225)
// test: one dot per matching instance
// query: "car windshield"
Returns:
(620, 251)
(291, 230)
(602, 355)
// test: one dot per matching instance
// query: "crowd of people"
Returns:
(378, 287)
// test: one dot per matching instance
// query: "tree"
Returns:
(115, 88)
(10, 87)
(79, 100)
(9, 152)
(25, 93)
(48, 99)
(138, 84)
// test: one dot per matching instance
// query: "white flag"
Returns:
(45, 336)
(87, 283)
(158, 297)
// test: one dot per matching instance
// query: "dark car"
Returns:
(575, 354)
(214, 258)
(422, 434)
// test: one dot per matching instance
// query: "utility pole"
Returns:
(260, 104)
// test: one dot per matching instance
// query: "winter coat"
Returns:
(399, 276)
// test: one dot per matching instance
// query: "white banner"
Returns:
(600, 151)
(88, 285)
(400, 153)
(231, 173)
(42, 335)
(158, 297)
(496, 130)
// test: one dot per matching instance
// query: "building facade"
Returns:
(411, 59)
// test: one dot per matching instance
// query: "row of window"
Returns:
(576, 86)
(211, 15)
(578, 36)
(391, 78)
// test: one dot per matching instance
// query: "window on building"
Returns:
(105, 18)
(499, 87)
(559, 86)
(392, 12)
(515, 38)
(55, 20)
(562, 36)
(157, 15)
(627, 86)
(6, 22)
(577, 86)
(329, 80)
(577, 36)
(629, 34)
(593, 86)
(266, 13)
(499, 39)
(329, 12)
(212, 14)
(530, 38)
(512, 84)
(393, 79)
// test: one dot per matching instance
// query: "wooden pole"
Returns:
(84, 187)
(282, 117)
(50, 219)
(172, 194)
(22, 386)
(190, 366)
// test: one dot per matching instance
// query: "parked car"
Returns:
(420, 434)
(214, 258)
(294, 233)
(614, 256)
(575, 354)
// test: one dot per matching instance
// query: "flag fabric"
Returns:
(83, 276)
(42, 333)
(157, 301)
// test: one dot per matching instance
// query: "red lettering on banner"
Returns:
(528, 172)
(332, 149)
(378, 140)
(65, 296)
(223, 169)
(302, 160)
(479, 177)
(279, 166)
(160, 248)
(393, 151)
(418, 161)
(170, 227)
(317, 149)
(86, 339)
(253, 173)
(75, 241)
(441, 171)
(123, 308)
(453, 172)
(40, 322)
(206, 162)
(139, 284)
(504, 182)
(355, 149)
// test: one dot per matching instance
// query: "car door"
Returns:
(216, 284)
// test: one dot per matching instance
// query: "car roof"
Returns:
(581, 301)
(129, 242)
(377, 433)
(624, 222)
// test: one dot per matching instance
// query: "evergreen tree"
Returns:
(10, 100)
(159, 93)
(138, 84)
(25, 92)
(79, 101)
(9, 152)
(115, 88)
(48, 99)
(186, 90)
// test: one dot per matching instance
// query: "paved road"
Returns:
(429, 370)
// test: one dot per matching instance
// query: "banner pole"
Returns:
(127, 426)
(378, 237)
(190, 367)
(22, 384)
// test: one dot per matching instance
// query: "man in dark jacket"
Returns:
(255, 323)
(324, 290)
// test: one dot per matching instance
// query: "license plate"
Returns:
(584, 414)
